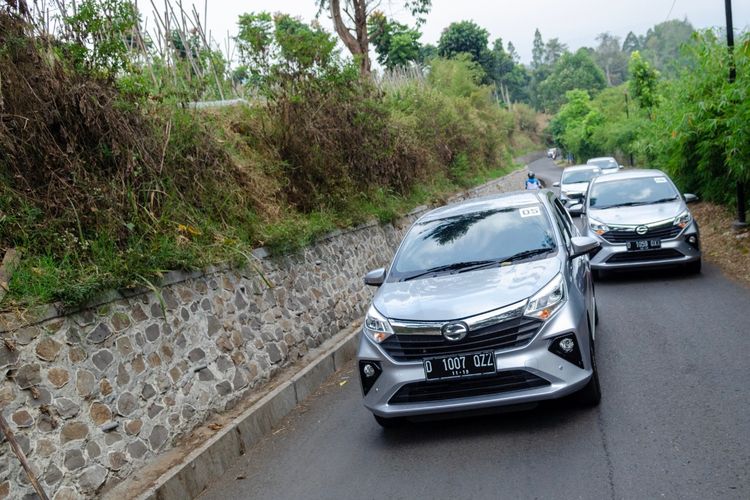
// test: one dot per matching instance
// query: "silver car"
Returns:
(607, 164)
(486, 303)
(575, 182)
(641, 220)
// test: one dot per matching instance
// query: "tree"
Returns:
(553, 51)
(611, 59)
(397, 45)
(663, 43)
(644, 81)
(572, 71)
(350, 22)
(537, 51)
(573, 127)
(469, 38)
(509, 77)
(513, 53)
(631, 43)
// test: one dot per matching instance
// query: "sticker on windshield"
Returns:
(530, 211)
(660, 180)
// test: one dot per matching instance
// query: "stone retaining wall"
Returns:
(94, 395)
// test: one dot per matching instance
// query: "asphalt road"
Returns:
(674, 421)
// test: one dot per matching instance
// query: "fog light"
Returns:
(369, 371)
(693, 241)
(567, 345)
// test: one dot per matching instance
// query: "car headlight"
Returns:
(598, 227)
(683, 219)
(548, 300)
(377, 326)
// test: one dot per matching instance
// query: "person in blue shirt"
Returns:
(532, 182)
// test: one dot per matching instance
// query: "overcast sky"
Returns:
(575, 22)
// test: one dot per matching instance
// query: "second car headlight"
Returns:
(377, 326)
(683, 219)
(598, 227)
(548, 300)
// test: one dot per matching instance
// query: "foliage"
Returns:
(662, 45)
(537, 51)
(572, 71)
(466, 37)
(700, 134)
(94, 39)
(397, 45)
(611, 58)
(644, 81)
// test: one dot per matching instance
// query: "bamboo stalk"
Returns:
(22, 458)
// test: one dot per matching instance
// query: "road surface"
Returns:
(674, 421)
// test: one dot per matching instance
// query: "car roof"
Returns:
(495, 201)
(631, 174)
(575, 168)
(601, 158)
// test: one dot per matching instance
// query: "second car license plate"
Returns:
(459, 365)
(644, 244)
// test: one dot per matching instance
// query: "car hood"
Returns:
(644, 214)
(577, 187)
(456, 296)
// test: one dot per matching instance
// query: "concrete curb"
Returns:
(196, 471)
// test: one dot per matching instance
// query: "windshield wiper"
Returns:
(637, 203)
(527, 254)
(456, 266)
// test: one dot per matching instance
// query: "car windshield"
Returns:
(604, 163)
(578, 176)
(474, 240)
(631, 192)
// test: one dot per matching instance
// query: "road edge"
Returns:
(189, 477)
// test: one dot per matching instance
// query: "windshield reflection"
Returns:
(478, 236)
(644, 190)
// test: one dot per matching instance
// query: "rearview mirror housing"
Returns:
(583, 245)
(575, 209)
(556, 184)
(690, 198)
(376, 277)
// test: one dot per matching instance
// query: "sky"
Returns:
(575, 22)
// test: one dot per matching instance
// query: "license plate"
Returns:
(459, 365)
(644, 244)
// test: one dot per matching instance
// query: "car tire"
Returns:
(389, 423)
(694, 267)
(597, 274)
(591, 394)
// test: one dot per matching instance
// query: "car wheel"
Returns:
(389, 423)
(694, 267)
(591, 394)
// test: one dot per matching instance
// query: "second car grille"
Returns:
(621, 235)
(644, 255)
(513, 333)
(421, 392)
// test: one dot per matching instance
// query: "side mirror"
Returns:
(583, 245)
(690, 198)
(375, 277)
(620, 166)
(575, 209)
(556, 184)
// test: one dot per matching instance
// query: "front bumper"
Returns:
(564, 377)
(674, 252)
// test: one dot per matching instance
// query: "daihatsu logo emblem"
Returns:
(455, 331)
(641, 230)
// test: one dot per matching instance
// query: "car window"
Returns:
(606, 163)
(578, 176)
(563, 221)
(494, 234)
(636, 191)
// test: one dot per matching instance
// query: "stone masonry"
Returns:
(94, 395)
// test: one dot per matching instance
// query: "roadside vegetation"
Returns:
(109, 178)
